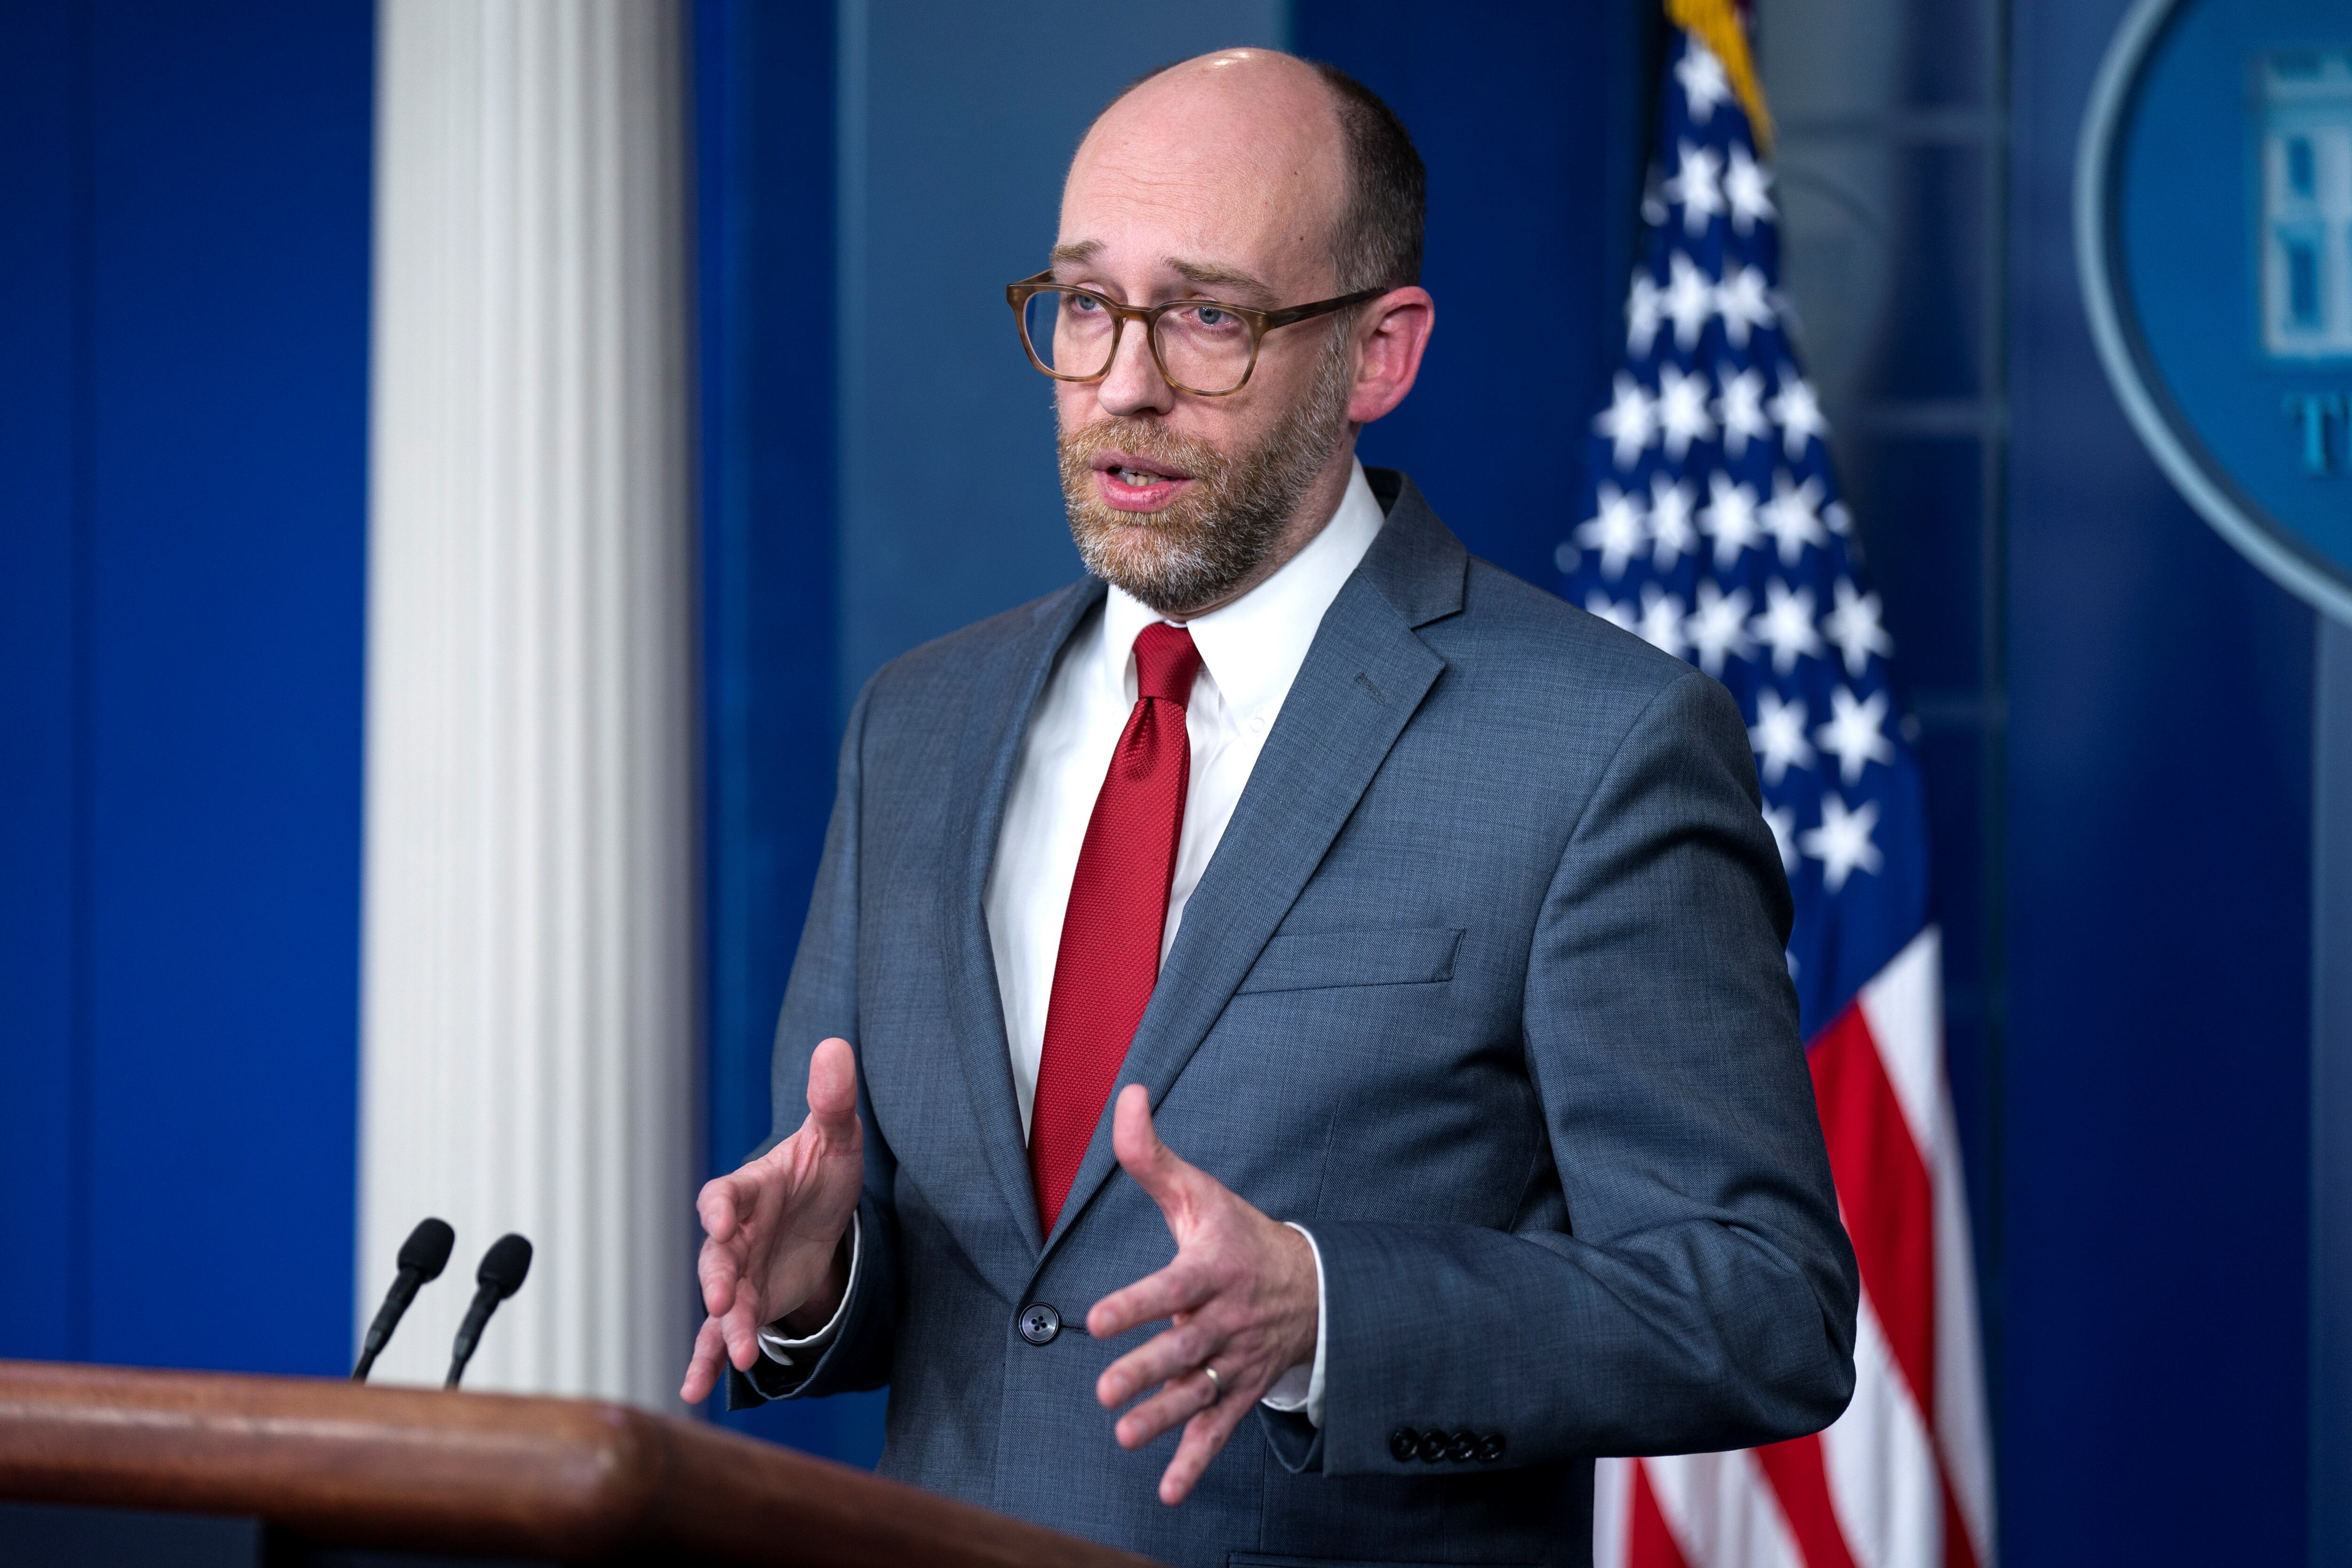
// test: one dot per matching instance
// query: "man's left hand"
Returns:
(1241, 1293)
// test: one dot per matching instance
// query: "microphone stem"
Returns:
(469, 1332)
(405, 1286)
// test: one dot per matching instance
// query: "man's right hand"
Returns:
(773, 1230)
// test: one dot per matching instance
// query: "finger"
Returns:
(1203, 1438)
(719, 1268)
(719, 1207)
(741, 1326)
(716, 1209)
(702, 1366)
(1179, 1287)
(1183, 1398)
(833, 1090)
(1167, 1356)
(1154, 1164)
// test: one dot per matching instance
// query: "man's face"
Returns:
(1221, 180)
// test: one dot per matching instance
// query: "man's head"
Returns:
(1262, 181)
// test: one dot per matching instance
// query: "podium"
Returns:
(333, 1465)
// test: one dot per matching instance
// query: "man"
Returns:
(1426, 927)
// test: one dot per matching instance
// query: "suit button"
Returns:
(1040, 1323)
(1463, 1447)
(1432, 1445)
(1490, 1447)
(1404, 1443)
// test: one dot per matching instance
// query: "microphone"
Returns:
(499, 1277)
(422, 1257)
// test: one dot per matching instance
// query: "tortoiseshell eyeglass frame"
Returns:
(1259, 322)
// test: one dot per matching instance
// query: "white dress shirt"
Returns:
(1251, 651)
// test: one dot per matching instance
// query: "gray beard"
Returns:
(1212, 539)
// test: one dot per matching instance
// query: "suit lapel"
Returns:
(1365, 675)
(1003, 700)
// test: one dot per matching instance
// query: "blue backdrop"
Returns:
(183, 295)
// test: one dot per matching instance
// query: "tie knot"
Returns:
(1165, 663)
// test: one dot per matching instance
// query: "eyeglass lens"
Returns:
(1203, 348)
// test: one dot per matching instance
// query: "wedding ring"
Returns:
(1216, 1385)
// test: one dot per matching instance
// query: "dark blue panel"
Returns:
(40, 398)
(1918, 505)
(2159, 956)
(764, 113)
(230, 178)
(1928, 345)
(764, 79)
(1533, 123)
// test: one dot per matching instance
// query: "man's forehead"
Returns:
(1225, 169)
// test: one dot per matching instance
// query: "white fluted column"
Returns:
(530, 1009)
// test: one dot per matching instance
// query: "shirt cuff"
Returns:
(1301, 1388)
(778, 1347)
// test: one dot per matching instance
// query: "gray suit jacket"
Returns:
(1483, 984)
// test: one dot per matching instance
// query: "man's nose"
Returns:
(1134, 385)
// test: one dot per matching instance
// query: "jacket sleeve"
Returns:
(1702, 1294)
(821, 1001)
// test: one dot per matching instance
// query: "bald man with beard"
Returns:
(1290, 1055)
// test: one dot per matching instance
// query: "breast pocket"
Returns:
(1316, 961)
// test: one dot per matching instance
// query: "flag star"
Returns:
(1856, 733)
(1853, 626)
(1741, 411)
(1717, 628)
(1840, 521)
(1688, 300)
(1842, 843)
(1746, 187)
(1700, 75)
(1631, 420)
(1616, 529)
(1740, 300)
(1730, 519)
(1681, 410)
(1798, 412)
(1661, 624)
(1779, 737)
(1793, 516)
(1782, 821)
(1671, 535)
(1697, 186)
(1642, 312)
(1786, 626)
(1619, 616)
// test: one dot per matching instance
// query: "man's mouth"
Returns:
(1135, 484)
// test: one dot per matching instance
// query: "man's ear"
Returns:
(1393, 334)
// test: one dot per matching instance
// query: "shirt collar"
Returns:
(1253, 648)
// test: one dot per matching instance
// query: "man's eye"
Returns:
(1080, 302)
(1209, 316)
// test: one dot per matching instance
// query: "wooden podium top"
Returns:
(487, 1474)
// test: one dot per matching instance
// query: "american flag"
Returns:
(1711, 526)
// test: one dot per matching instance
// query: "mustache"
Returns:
(1144, 438)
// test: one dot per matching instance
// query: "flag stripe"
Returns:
(1648, 1543)
(1802, 1485)
(1883, 1192)
(1721, 1512)
(1881, 1461)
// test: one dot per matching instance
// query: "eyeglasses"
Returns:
(1204, 347)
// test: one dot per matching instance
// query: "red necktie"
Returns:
(1110, 957)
